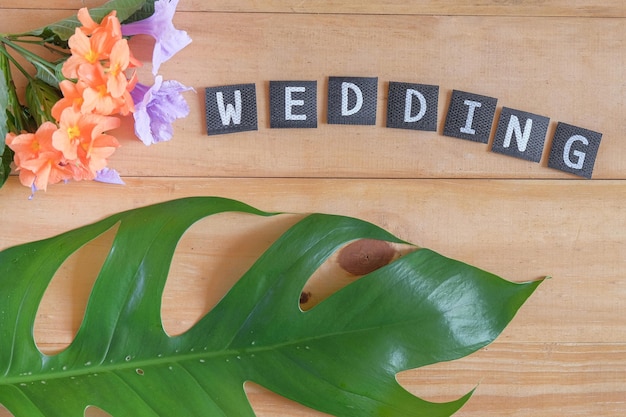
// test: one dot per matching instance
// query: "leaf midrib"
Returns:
(176, 358)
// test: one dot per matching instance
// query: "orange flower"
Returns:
(99, 61)
(97, 97)
(110, 24)
(77, 131)
(72, 131)
(38, 162)
(72, 97)
(101, 147)
(84, 144)
(85, 50)
(119, 61)
(93, 43)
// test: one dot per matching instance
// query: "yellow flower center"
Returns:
(73, 132)
(115, 70)
(102, 90)
(91, 56)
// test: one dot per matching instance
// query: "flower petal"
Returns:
(169, 45)
(109, 176)
(157, 107)
(142, 127)
(169, 40)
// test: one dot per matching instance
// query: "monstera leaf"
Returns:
(340, 357)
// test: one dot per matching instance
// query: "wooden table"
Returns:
(565, 352)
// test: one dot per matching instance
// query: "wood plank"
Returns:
(528, 64)
(522, 230)
(603, 8)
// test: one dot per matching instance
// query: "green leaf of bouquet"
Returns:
(16, 117)
(4, 106)
(6, 155)
(5, 164)
(4, 98)
(41, 97)
(63, 29)
(47, 73)
(341, 357)
(144, 12)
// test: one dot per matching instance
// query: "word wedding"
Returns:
(352, 101)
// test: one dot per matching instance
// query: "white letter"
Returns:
(290, 102)
(409, 104)
(344, 99)
(520, 138)
(578, 154)
(470, 116)
(229, 113)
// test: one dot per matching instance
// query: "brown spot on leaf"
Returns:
(365, 256)
(305, 296)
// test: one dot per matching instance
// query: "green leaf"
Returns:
(144, 12)
(16, 116)
(340, 357)
(47, 73)
(61, 31)
(6, 155)
(5, 164)
(41, 97)
(4, 96)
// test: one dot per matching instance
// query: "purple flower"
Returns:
(169, 40)
(109, 176)
(156, 108)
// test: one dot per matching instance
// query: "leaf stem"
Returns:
(3, 51)
(31, 57)
(41, 43)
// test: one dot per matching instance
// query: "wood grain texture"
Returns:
(600, 8)
(563, 354)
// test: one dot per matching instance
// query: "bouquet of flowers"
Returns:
(61, 133)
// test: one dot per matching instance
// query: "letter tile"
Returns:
(352, 100)
(574, 149)
(293, 104)
(231, 109)
(520, 134)
(470, 116)
(412, 106)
